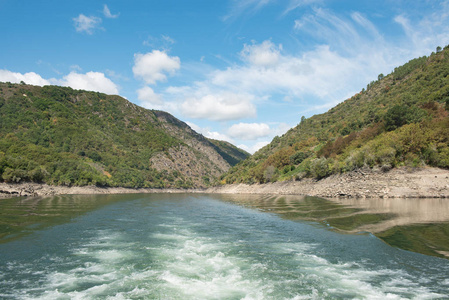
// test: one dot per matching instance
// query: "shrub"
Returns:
(320, 167)
(299, 157)
(400, 115)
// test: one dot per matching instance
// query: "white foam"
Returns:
(179, 262)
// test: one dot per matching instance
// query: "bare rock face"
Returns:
(197, 159)
(194, 164)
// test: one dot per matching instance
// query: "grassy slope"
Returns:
(400, 119)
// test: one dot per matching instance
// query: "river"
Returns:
(184, 246)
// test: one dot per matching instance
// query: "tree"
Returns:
(396, 117)
(438, 49)
(380, 76)
(400, 115)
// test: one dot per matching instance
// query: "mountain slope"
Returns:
(400, 119)
(229, 152)
(62, 136)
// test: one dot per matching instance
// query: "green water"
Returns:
(419, 225)
(203, 247)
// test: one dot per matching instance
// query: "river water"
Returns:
(196, 247)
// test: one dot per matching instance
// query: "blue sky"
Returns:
(238, 70)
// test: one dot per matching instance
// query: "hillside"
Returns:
(230, 153)
(399, 120)
(60, 136)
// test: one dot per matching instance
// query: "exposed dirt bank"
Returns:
(397, 183)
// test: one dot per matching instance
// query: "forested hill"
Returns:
(399, 120)
(62, 136)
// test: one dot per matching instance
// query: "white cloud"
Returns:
(29, 78)
(86, 24)
(249, 131)
(240, 6)
(148, 97)
(153, 66)
(265, 54)
(75, 68)
(322, 73)
(91, 81)
(210, 134)
(219, 106)
(253, 148)
(281, 129)
(426, 34)
(107, 12)
(163, 42)
(294, 4)
(349, 52)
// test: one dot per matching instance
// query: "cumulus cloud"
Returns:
(249, 131)
(154, 66)
(264, 54)
(91, 81)
(219, 107)
(107, 13)
(148, 97)
(29, 78)
(86, 24)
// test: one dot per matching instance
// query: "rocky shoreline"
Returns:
(364, 183)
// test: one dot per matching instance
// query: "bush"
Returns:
(299, 157)
(320, 168)
(400, 115)
(15, 175)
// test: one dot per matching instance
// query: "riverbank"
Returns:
(8, 190)
(397, 183)
(364, 183)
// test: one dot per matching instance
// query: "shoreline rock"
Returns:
(396, 183)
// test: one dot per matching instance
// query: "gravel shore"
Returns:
(397, 183)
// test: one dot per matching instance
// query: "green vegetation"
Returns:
(229, 152)
(62, 136)
(401, 119)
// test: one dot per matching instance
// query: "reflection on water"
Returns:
(405, 211)
(22, 216)
(420, 225)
